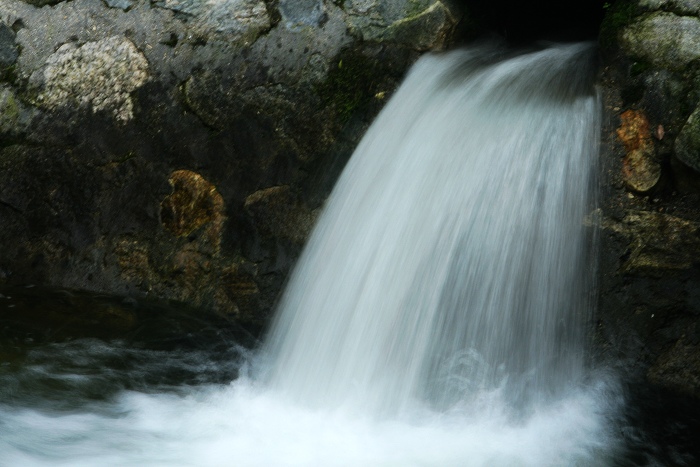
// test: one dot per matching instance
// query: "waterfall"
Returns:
(451, 259)
(436, 318)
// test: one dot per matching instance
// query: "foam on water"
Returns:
(248, 425)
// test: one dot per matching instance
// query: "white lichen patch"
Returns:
(101, 75)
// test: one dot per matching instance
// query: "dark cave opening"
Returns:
(521, 22)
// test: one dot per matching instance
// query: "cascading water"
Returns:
(451, 257)
(437, 316)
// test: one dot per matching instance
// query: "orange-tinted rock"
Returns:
(193, 203)
(640, 169)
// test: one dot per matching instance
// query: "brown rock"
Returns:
(193, 203)
(640, 168)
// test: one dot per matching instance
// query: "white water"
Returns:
(437, 316)
(451, 258)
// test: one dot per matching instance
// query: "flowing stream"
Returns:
(439, 315)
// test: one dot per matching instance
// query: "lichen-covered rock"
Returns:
(101, 75)
(664, 39)
(180, 149)
(687, 144)
(421, 24)
(235, 21)
(683, 7)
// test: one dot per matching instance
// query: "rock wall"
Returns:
(181, 149)
(649, 313)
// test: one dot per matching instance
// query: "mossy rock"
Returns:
(687, 145)
(664, 40)
(617, 15)
(355, 81)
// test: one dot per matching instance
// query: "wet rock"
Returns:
(101, 75)
(664, 40)
(125, 5)
(8, 50)
(421, 24)
(193, 203)
(240, 288)
(641, 170)
(687, 145)
(277, 212)
(678, 368)
(247, 108)
(300, 13)
(681, 7)
(658, 242)
(233, 21)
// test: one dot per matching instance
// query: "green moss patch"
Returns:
(617, 15)
(353, 82)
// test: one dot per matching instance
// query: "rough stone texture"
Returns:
(640, 168)
(193, 203)
(682, 7)
(301, 13)
(101, 75)
(15, 117)
(276, 212)
(8, 48)
(664, 39)
(399, 21)
(657, 242)
(688, 142)
(679, 367)
(649, 306)
(234, 21)
(181, 149)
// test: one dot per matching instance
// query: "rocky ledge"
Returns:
(181, 149)
(649, 313)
